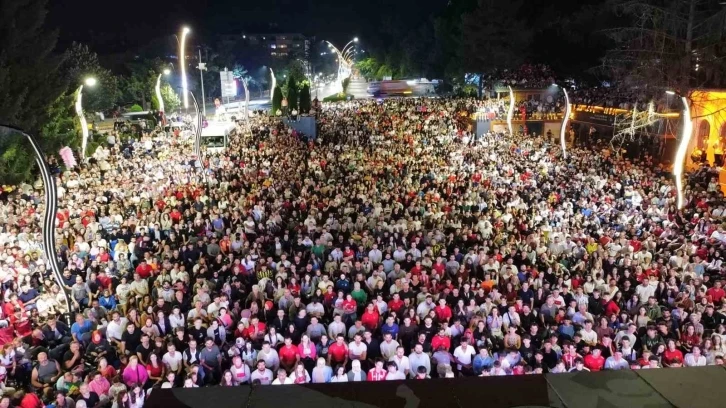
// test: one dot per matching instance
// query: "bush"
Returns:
(292, 95)
(346, 83)
(136, 108)
(305, 102)
(339, 97)
(276, 99)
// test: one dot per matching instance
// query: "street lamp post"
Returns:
(157, 88)
(680, 158)
(510, 111)
(198, 130)
(565, 120)
(182, 66)
(274, 84)
(49, 214)
(247, 98)
(79, 111)
(202, 67)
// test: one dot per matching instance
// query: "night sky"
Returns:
(120, 26)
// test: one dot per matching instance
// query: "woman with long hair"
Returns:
(300, 375)
(156, 371)
(227, 380)
(308, 352)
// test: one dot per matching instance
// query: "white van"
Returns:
(215, 136)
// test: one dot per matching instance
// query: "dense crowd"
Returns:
(532, 76)
(394, 246)
(548, 106)
(608, 97)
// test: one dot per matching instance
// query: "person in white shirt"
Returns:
(463, 356)
(115, 328)
(402, 362)
(375, 255)
(176, 319)
(694, 358)
(263, 374)
(394, 373)
(647, 289)
(282, 378)
(419, 359)
(269, 356)
(340, 375)
(240, 371)
(173, 360)
(589, 336)
(388, 346)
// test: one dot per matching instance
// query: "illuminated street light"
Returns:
(565, 120)
(79, 111)
(49, 214)
(157, 89)
(510, 112)
(680, 158)
(274, 84)
(182, 65)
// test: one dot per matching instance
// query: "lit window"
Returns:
(273, 46)
(273, 53)
(283, 46)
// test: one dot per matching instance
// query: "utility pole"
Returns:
(202, 67)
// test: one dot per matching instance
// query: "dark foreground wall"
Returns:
(684, 387)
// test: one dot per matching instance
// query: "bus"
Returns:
(215, 136)
(389, 88)
(410, 87)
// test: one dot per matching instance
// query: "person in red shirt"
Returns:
(370, 318)
(104, 280)
(441, 340)
(377, 373)
(416, 270)
(255, 331)
(144, 269)
(611, 308)
(28, 400)
(716, 292)
(443, 312)
(395, 304)
(338, 352)
(289, 355)
(672, 354)
(594, 361)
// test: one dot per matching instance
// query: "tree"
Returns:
(668, 44)
(171, 99)
(296, 71)
(292, 95)
(346, 83)
(82, 63)
(241, 73)
(495, 37)
(276, 100)
(139, 81)
(30, 86)
(29, 80)
(305, 102)
(368, 67)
